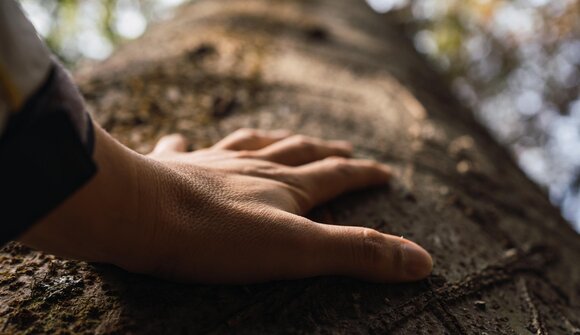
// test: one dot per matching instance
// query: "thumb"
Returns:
(369, 255)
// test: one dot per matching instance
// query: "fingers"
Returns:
(250, 139)
(366, 254)
(279, 147)
(299, 149)
(170, 143)
(326, 179)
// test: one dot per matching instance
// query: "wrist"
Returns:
(92, 224)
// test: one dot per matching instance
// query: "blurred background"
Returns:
(516, 63)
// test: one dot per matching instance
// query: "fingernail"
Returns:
(416, 261)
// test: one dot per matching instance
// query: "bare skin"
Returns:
(232, 213)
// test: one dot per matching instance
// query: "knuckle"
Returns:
(301, 140)
(245, 154)
(247, 132)
(397, 256)
(289, 179)
(302, 201)
(371, 163)
(337, 160)
(341, 165)
(263, 169)
(166, 138)
(370, 166)
(368, 247)
(306, 145)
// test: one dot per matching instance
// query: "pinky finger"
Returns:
(170, 143)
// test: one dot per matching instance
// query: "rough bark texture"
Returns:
(505, 261)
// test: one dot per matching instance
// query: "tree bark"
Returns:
(505, 260)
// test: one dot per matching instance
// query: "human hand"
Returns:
(233, 213)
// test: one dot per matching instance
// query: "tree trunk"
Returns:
(505, 260)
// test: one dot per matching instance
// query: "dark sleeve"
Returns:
(45, 153)
(46, 134)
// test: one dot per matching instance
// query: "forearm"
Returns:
(110, 198)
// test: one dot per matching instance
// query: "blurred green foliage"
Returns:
(516, 63)
(90, 29)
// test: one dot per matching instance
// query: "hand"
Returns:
(232, 213)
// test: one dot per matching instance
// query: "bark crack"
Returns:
(536, 323)
(532, 261)
(447, 319)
